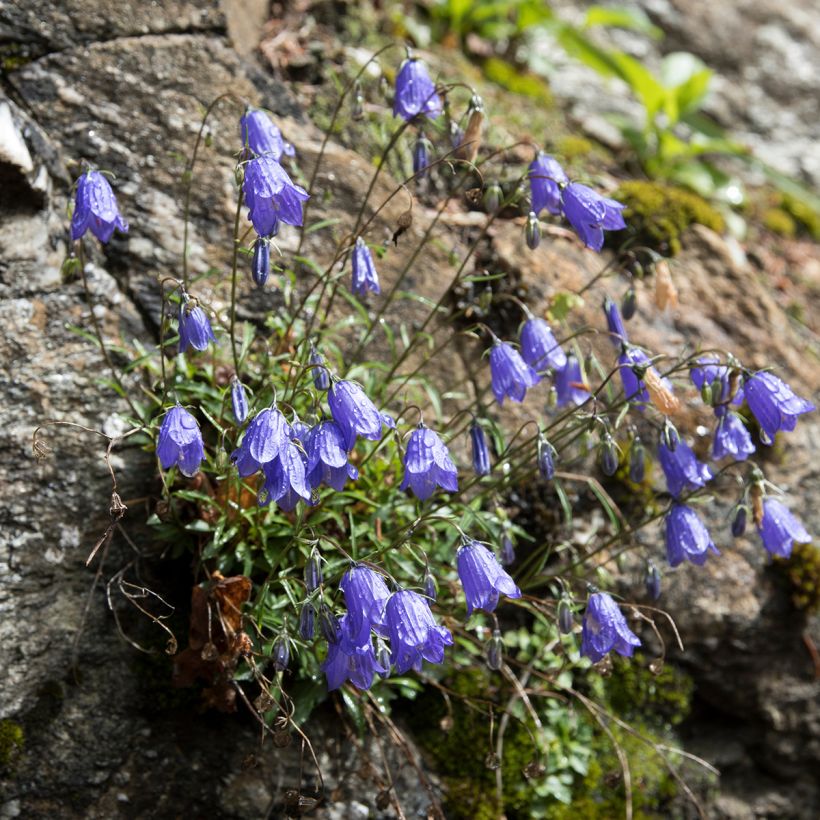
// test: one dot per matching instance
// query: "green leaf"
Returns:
(633, 19)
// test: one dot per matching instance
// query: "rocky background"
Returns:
(124, 86)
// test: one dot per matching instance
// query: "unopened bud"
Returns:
(532, 233)
(492, 198)
(260, 266)
(328, 625)
(739, 522)
(706, 393)
(670, 437)
(629, 304)
(358, 102)
(307, 622)
(609, 456)
(652, 581)
(313, 571)
(637, 462)
(566, 620)
(546, 458)
(430, 586)
(495, 651)
(281, 654)
(507, 551)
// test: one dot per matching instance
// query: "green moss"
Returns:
(804, 214)
(802, 568)
(11, 744)
(519, 82)
(780, 222)
(572, 147)
(660, 213)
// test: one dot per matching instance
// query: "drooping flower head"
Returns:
(365, 596)
(327, 457)
(615, 323)
(414, 634)
(570, 387)
(545, 456)
(194, 327)
(260, 262)
(605, 628)
(264, 440)
(321, 375)
(239, 400)
(348, 661)
(591, 214)
(421, 156)
(427, 464)
(774, 404)
(95, 208)
(682, 469)
(539, 349)
(779, 529)
(355, 414)
(285, 479)
(687, 538)
(731, 437)
(546, 176)
(511, 375)
(271, 196)
(415, 92)
(365, 277)
(709, 371)
(483, 578)
(480, 450)
(262, 136)
(180, 442)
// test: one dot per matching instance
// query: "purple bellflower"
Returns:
(365, 277)
(634, 389)
(774, 404)
(180, 442)
(546, 177)
(731, 437)
(615, 323)
(539, 349)
(605, 628)
(327, 457)
(421, 156)
(427, 464)
(95, 208)
(285, 479)
(265, 439)
(569, 383)
(591, 214)
(346, 660)
(321, 375)
(709, 371)
(483, 578)
(271, 196)
(480, 450)
(194, 327)
(355, 414)
(682, 469)
(779, 529)
(415, 92)
(239, 400)
(414, 634)
(511, 375)
(365, 596)
(260, 262)
(262, 136)
(687, 538)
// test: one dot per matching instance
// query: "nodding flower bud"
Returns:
(481, 453)
(637, 462)
(358, 102)
(507, 551)
(313, 572)
(532, 232)
(307, 622)
(485, 299)
(281, 654)
(493, 196)
(546, 458)
(566, 620)
(706, 393)
(669, 436)
(430, 586)
(652, 581)
(321, 377)
(239, 401)
(260, 266)
(328, 624)
(495, 651)
(739, 522)
(629, 304)
(609, 456)
(421, 156)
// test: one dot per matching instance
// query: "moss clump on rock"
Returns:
(658, 213)
(806, 216)
(802, 568)
(11, 744)
(780, 222)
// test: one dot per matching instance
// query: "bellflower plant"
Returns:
(327, 457)
(239, 401)
(194, 327)
(569, 383)
(604, 629)
(483, 578)
(415, 92)
(687, 538)
(262, 136)
(682, 469)
(615, 323)
(285, 479)
(427, 464)
(355, 414)
(414, 634)
(95, 209)
(265, 439)
(539, 349)
(480, 450)
(546, 177)
(271, 196)
(365, 596)
(774, 404)
(179, 443)
(780, 529)
(321, 376)
(347, 660)
(365, 277)
(511, 375)
(731, 437)
(591, 214)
